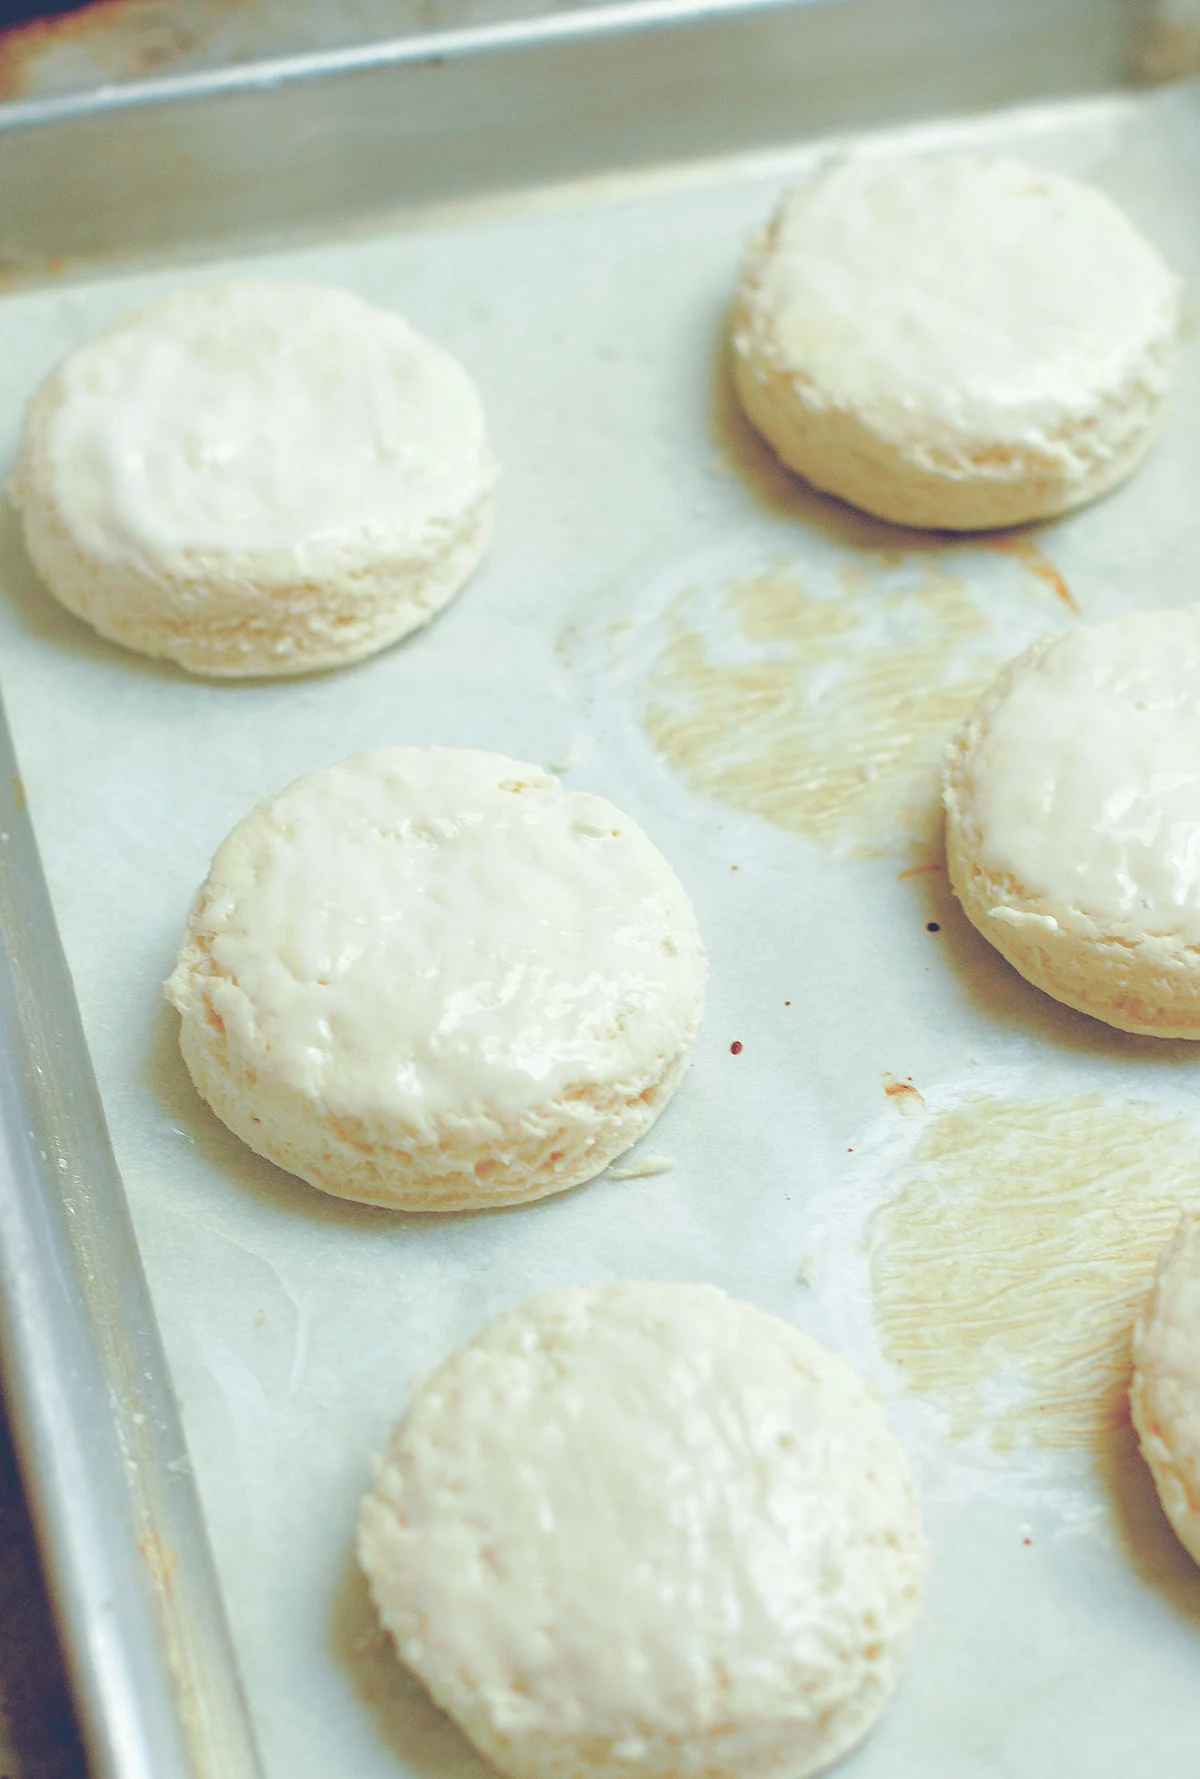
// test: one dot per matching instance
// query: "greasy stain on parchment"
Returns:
(1007, 1269)
(822, 701)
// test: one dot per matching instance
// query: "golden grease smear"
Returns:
(1008, 1268)
(827, 715)
(1037, 563)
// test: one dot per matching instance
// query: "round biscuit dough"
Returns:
(1072, 800)
(254, 478)
(960, 341)
(433, 978)
(1165, 1395)
(647, 1532)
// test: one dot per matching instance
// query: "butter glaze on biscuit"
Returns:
(435, 979)
(1165, 1396)
(1072, 800)
(960, 341)
(647, 1532)
(255, 478)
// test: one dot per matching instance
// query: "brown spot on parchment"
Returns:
(1007, 1268)
(903, 1094)
(825, 714)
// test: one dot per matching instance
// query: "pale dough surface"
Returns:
(1073, 819)
(435, 978)
(256, 478)
(647, 1532)
(960, 341)
(1165, 1397)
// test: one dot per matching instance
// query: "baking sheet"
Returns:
(132, 40)
(325, 140)
(650, 565)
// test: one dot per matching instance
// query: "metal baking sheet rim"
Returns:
(98, 1431)
(320, 140)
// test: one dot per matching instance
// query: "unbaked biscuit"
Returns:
(1072, 799)
(1165, 1397)
(433, 978)
(961, 341)
(256, 478)
(647, 1532)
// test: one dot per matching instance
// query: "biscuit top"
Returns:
(645, 1510)
(958, 298)
(262, 418)
(1167, 1334)
(1166, 1356)
(1083, 776)
(420, 931)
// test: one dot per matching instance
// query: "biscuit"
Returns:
(1165, 1395)
(1072, 800)
(960, 341)
(254, 478)
(433, 978)
(647, 1532)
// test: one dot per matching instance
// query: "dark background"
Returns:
(12, 13)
